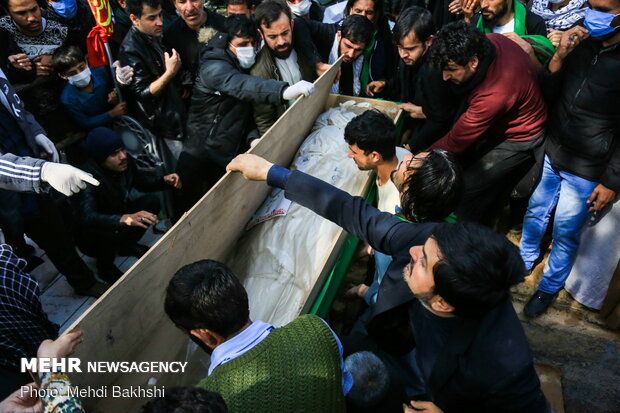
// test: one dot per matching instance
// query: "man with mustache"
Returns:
(505, 16)
(279, 58)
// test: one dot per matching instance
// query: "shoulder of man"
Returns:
(265, 65)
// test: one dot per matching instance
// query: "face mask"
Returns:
(65, 8)
(598, 23)
(246, 56)
(300, 9)
(82, 79)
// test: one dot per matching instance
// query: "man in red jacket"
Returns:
(499, 132)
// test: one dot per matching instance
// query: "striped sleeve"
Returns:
(21, 174)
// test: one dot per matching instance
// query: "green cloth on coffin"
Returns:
(296, 368)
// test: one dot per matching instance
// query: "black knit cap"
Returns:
(102, 142)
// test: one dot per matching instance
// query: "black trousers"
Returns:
(48, 229)
(104, 244)
(198, 176)
(490, 179)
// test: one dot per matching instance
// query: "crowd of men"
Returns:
(508, 105)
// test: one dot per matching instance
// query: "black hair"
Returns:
(269, 11)
(357, 29)
(206, 294)
(4, 4)
(231, 2)
(417, 20)
(371, 380)
(187, 400)
(65, 57)
(378, 9)
(372, 131)
(135, 6)
(476, 268)
(432, 192)
(458, 42)
(241, 26)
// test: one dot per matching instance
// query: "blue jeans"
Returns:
(570, 193)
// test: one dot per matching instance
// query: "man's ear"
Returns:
(429, 41)
(338, 35)
(441, 305)
(473, 64)
(376, 156)
(61, 76)
(135, 20)
(210, 338)
(292, 24)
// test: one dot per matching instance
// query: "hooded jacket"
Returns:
(220, 112)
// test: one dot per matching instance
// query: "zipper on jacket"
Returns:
(585, 79)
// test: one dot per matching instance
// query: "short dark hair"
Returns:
(417, 20)
(378, 8)
(233, 2)
(458, 42)
(371, 379)
(187, 400)
(432, 192)
(269, 11)
(206, 294)
(372, 131)
(240, 26)
(135, 6)
(65, 57)
(476, 268)
(357, 29)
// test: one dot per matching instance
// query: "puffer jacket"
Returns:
(583, 131)
(163, 114)
(220, 112)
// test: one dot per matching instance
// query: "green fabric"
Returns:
(295, 369)
(543, 48)
(365, 72)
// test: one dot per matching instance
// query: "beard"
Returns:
(501, 11)
(283, 53)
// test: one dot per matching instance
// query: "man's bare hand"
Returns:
(174, 180)
(554, 37)
(428, 407)
(28, 403)
(569, 40)
(253, 167)
(173, 62)
(119, 109)
(322, 68)
(140, 219)
(62, 347)
(20, 61)
(414, 111)
(600, 197)
(526, 47)
(43, 64)
(113, 97)
(375, 87)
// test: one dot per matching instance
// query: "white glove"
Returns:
(300, 88)
(124, 74)
(48, 146)
(65, 178)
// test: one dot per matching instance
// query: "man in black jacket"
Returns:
(153, 98)
(470, 345)
(220, 115)
(581, 173)
(112, 219)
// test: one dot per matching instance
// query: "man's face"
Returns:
(117, 162)
(27, 16)
(151, 22)
(350, 50)
(405, 168)
(410, 49)
(611, 7)
(493, 10)
(74, 70)
(279, 37)
(460, 74)
(191, 11)
(418, 274)
(241, 9)
(240, 42)
(364, 8)
(364, 162)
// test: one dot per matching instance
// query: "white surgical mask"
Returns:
(246, 56)
(82, 79)
(300, 9)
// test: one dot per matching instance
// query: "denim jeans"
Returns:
(570, 193)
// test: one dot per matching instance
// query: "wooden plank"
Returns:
(128, 322)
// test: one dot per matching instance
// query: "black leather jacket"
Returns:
(164, 114)
(220, 112)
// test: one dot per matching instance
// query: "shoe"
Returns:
(96, 290)
(135, 250)
(538, 303)
(109, 272)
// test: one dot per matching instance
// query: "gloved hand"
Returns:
(65, 178)
(300, 88)
(47, 146)
(124, 74)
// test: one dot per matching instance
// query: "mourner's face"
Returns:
(150, 23)
(460, 74)
(410, 49)
(192, 11)
(27, 16)
(240, 42)
(493, 10)
(117, 162)
(364, 162)
(364, 8)
(418, 274)
(279, 36)
(405, 168)
(350, 50)
(240, 9)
